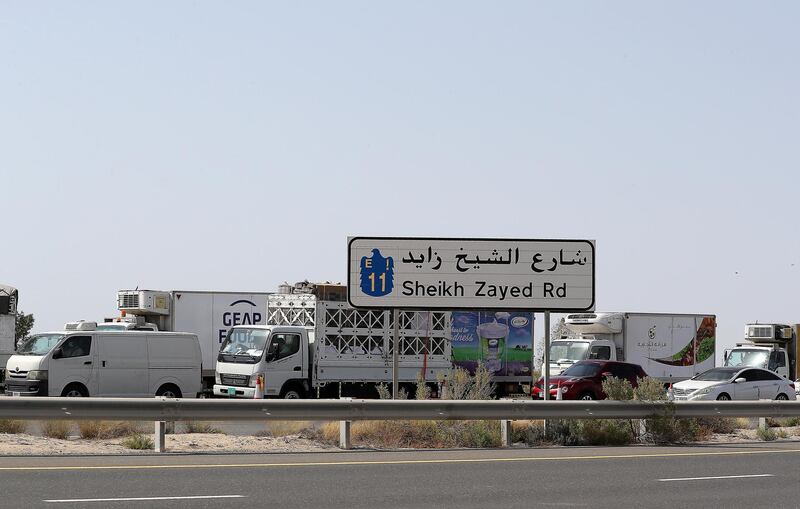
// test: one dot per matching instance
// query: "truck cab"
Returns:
(280, 354)
(592, 338)
(769, 346)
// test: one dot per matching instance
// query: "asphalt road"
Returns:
(756, 475)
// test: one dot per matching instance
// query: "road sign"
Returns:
(443, 273)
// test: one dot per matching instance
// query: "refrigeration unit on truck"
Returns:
(670, 347)
(314, 343)
(8, 324)
(209, 315)
(770, 346)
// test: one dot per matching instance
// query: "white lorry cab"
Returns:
(281, 354)
(82, 361)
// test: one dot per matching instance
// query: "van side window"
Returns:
(77, 346)
(600, 352)
(285, 345)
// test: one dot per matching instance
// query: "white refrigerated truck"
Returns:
(209, 315)
(314, 344)
(670, 347)
(771, 346)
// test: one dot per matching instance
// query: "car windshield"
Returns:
(717, 374)
(39, 344)
(561, 351)
(752, 358)
(582, 370)
(243, 341)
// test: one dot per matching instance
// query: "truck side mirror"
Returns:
(58, 353)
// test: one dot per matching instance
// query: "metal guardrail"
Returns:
(162, 410)
(168, 409)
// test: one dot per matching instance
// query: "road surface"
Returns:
(752, 475)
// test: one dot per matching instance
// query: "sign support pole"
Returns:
(395, 355)
(546, 362)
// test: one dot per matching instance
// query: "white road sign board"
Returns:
(444, 273)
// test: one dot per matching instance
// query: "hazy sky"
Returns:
(233, 146)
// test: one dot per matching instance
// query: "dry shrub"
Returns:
(200, 427)
(459, 384)
(12, 426)
(783, 423)
(57, 429)
(284, 428)
(108, 429)
(417, 434)
(724, 425)
(742, 423)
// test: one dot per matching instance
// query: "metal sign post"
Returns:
(395, 354)
(546, 361)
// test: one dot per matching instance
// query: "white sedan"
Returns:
(734, 383)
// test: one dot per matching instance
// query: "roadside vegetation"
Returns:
(12, 427)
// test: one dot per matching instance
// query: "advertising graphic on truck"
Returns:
(501, 340)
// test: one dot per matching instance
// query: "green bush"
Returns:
(766, 434)
(138, 441)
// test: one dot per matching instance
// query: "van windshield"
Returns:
(39, 344)
(754, 358)
(243, 344)
(565, 351)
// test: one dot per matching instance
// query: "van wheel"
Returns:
(782, 397)
(169, 391)
(292, 392)
(74, 391)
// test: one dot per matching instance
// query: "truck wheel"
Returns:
(723, 397)
(169, 391)
(782, 397)
(74, 391)
(586, 396)
(292, 392)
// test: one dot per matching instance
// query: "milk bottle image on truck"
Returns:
(493, 341)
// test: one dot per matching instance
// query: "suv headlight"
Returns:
(37, 374)
(217, 378)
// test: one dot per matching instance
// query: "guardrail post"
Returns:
(344, 434)
(505, 433)
(762, 423)
(159, 444)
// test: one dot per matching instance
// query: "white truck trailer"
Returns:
(670, 347)
(771, 346)
(209, 315)
(8, 324)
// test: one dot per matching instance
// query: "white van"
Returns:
(106, 363)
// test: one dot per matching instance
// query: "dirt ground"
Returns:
(31, 445)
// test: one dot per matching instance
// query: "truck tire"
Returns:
(724, 397)
(169, 391)
(293, 391)
(74, 391)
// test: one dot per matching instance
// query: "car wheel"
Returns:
(74, 391)
(782, 397)
(586, 396)
(168, 391)
(723, 397)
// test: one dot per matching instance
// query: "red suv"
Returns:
(584, 379)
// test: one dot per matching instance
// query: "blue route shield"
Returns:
(377, 274)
